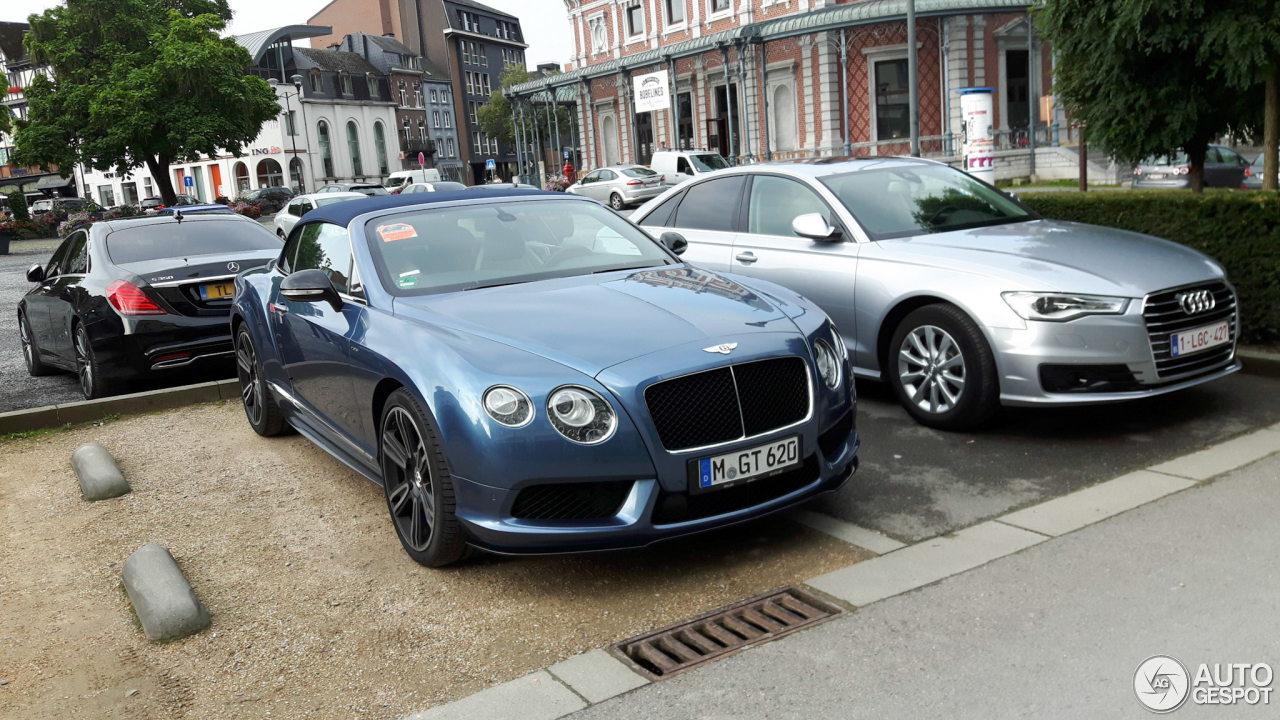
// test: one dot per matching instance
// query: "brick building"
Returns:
(468, 41)
(756, 79)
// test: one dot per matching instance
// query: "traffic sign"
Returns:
(422, 159)
(490, 164)
(188, 181)
(566, 154)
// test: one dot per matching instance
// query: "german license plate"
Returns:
(1201, 338)
(749, 464)
(217, 291)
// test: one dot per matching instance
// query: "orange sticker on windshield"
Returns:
(396, 231)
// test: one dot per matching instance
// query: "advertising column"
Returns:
(979, 146)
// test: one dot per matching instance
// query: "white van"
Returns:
(400, 178)
(680, 166)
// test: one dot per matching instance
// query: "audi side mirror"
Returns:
(35, 274)
(815, 227)
(675, 242)
(310, 286)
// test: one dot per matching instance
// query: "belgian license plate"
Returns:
(1201, 338)
(749, 464)
(217, 291)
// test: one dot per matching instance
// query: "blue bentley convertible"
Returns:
(527, 372)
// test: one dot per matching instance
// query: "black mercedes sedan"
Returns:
(139, 297)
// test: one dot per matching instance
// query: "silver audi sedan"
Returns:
(955, 293)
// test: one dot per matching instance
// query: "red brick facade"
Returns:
(811, 96)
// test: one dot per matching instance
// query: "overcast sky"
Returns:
(545, 22)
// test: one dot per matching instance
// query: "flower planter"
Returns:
(4, 243)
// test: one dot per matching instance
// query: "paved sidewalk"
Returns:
(1054, 631)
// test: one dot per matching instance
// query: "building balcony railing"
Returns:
(413, 147)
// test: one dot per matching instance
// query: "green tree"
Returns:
(1139, 75)
(500, 118)
(1242, 45)
(138, 82)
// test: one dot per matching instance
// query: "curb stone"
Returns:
(100, 478)
(52, 416)
(166, 605)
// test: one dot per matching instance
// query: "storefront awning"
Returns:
(52, 182)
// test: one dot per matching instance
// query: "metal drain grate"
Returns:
(673, 649)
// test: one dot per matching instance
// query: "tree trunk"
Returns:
(1195, 154)
(1271, 132)
(159, 167)
(1084, 162)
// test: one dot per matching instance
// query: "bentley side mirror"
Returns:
(675, 242)
(35, 274)
(815, 227)
(310, 286)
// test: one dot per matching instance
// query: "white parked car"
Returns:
(423, 187)
(680, 166)
(303, 204)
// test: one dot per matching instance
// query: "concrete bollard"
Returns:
(99, 476)
(164, 601)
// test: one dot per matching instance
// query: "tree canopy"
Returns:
(1146, 77)
(534, 119)
(138, 82)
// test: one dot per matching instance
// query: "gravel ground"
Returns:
(317, 612)
(19, 390)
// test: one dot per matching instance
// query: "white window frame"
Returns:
(633, 33)
(713, 14)
(681, 24)
(875, 55)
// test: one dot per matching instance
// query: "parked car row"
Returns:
(528, 372)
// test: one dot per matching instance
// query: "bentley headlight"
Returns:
(828, 363)
(581, 415)
(1060, 307)
(508, 406)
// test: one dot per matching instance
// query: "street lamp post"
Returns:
(293, 135)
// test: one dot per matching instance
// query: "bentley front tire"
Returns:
(416, 480)
(942, 369)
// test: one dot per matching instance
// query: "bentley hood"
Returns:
(590, 323)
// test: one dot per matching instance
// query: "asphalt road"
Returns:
(1055, 631)
(916, 483)
(18, 390)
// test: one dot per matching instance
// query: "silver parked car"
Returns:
(1253, 174)
(958, 295)
(620, 186)
(1223, 167)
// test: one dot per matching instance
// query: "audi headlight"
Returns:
(828, 363)
(1060, 307)
(508, 406)
(581, 415)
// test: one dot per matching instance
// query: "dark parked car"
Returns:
(138, 297)
(528, 372)
(1222, 168)
(280, 195)
(370, 189)
(192, 209)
